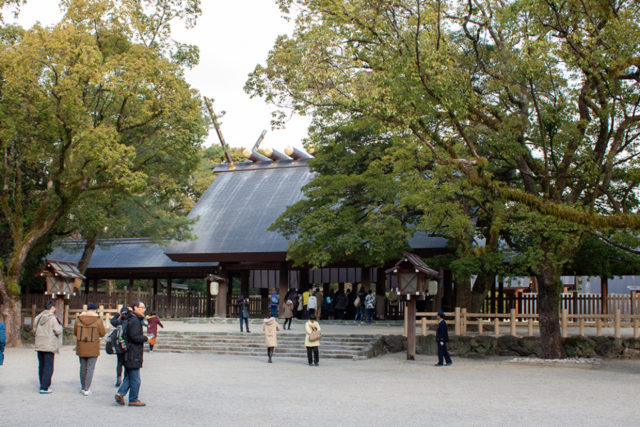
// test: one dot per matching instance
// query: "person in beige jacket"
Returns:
(88, 330)
(270, 327)
(48, 332)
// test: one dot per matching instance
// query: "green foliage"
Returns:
(90, 135)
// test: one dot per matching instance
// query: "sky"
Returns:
(233, 37)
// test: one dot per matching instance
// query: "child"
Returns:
(152, 329)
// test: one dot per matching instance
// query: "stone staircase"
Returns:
(354, 347)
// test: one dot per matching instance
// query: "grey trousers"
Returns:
(87, 365)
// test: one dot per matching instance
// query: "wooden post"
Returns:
(616, 324)
(633, 302)
(457, 323)
(496, 326)
(221, 299)
(169, 292)
(406, 322)
(154, 304)
(424, 326)
(604, 294)
(411, 329)
(564, 323)
(33, 315)
(599, 327)
(480, 325)
(101, 314)
(463, 320)
(530, 326)
(636, 327)
(513, 322)
(581, 326)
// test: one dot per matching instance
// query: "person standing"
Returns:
(243, 312)
(312, 346)
(370, 305)
(312, 304)
(288, 313)
(273, 303)
(442, 338)
(48, 331)
(340, 304)
(270, 328)
(294, 297)
(117, 320)
(305, 303)
(88, 330)
(152, 329)
(360, 306)
(3, 342)
(133, 356)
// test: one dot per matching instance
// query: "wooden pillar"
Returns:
(381, 295)
(154, 304)
(283, 283)
(604, 294)
(209, 300)
(304, 280)
(95, 291)
(244, 282)
(169, 292)
(264, 301)
(223, 291)
(500, 296)
(365, 275)
(86, 291)
(411, 328)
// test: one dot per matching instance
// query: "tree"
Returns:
(84, 108)
(534, 102)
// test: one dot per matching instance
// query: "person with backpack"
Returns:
(88, 330)
(243, 312)
(273, 303)
(370, 305)
(118, 342)
(133, 356)
(328, 305)
(152, 329)
(312, 304)
(48, 331)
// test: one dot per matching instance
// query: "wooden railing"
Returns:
(573, 302)
(461, 320)
(105, 314)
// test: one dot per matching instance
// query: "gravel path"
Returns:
(205, 389)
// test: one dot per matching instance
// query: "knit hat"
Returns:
(441, 314)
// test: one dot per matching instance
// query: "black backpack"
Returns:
(117, 341)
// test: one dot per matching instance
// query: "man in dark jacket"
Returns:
(133, 356)
(442, 337)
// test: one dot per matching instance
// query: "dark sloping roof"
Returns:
(236, 210)
(124, 255)
(239, 206)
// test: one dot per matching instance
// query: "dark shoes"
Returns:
(119, 399)
(137, 403)
(438, 364)
(316, 364)
(449, 363)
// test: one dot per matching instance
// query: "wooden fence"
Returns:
(518, 322)
(574, 303)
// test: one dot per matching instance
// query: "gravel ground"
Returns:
(206, 389)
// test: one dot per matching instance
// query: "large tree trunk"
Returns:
(11, 314)
(548, 304)
(89, 247)
(472, 299)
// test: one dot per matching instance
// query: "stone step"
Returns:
(302, 354)
(260, 341)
